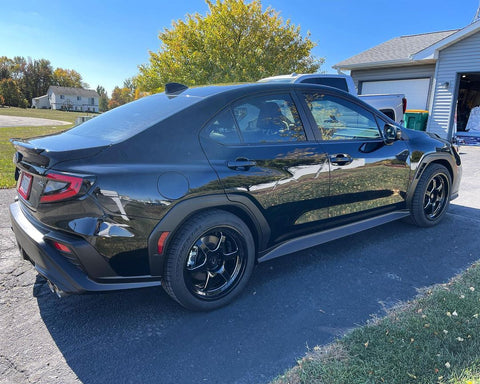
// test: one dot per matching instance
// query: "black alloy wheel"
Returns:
(435, 196)
(215, 263)
(432, 196)
(209, 260)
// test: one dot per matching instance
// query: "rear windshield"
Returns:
(127, 120)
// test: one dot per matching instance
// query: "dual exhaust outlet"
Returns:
(57, 291)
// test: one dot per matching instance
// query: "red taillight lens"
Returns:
(61, 247)
(404, 104)
(60, 187)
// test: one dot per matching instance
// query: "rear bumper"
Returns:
(69, 276)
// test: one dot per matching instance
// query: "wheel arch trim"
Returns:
(242, 207)
(428, 159)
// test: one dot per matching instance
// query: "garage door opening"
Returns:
(468, 103)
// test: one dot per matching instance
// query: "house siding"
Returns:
(461, 57)
(392, 73)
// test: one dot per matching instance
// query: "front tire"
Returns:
(209, 261)
(432, 196)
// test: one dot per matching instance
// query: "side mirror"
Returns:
(391, 133)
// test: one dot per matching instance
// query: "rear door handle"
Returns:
(341, 159)
(241, 164)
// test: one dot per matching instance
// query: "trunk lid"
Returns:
(36, 158)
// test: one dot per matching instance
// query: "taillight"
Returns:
(61, 247)
(60, 187)
(404, 104)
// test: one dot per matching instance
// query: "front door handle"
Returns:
(341, 159)
(241, 164)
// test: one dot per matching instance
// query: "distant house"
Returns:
(438, 72)
(68, 99)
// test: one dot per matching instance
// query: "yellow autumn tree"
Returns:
(235, 41)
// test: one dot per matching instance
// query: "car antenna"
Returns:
(174, 88)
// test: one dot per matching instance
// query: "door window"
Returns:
(268, 119)
(340, 119)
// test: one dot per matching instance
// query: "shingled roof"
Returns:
(73, 91)
(398, 49)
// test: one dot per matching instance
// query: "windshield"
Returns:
(127, 120)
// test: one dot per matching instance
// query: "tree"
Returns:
(11, 94)
(120, 96)
(36, 78)
(67, 78)
(233, 42)
(103, 101)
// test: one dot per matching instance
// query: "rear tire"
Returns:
(209, 261)
(431, 197)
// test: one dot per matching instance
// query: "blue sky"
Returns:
(106, 40)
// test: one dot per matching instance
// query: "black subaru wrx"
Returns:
(191, 188)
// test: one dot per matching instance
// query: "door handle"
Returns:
(341, 159)
(241, 164)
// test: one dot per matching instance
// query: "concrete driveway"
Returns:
(17, 121)
(293, 303)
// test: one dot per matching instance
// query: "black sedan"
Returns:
(191, 188)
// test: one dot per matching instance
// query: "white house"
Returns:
(68, 98)
(438, 72)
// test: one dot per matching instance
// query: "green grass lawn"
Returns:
(7, 168)
(43, 113)
(433, 339)
(6, 149)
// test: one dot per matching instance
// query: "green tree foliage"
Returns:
(11, 94)
(235, 42)
(32, 78)
(67, 78)
(103, 101)
(120, 96)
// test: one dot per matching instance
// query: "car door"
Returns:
(260, 148)
(367, 174)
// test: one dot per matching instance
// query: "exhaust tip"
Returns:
(57, 291)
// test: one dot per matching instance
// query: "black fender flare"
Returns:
(178, 214)
(443, 158)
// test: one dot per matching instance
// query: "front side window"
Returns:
(268, 119)
(340, 119)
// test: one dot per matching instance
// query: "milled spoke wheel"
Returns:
(432, 196)
(435, 197)
(209, 260)
(215, 263)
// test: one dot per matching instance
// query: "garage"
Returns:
(416, 90)
(438, 72)
(468, 103)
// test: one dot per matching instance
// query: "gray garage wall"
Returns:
(461, 57)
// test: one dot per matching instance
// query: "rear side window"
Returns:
(222, 129)
(268, 119)
(127, 120)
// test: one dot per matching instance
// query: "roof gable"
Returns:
(431, 52)
(395, 51)
(70, 91)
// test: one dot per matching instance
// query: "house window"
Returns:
(62, 97)
(92, 101)
(79, 98)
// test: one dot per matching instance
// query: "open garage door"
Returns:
(416, 90)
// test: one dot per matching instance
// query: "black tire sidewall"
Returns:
(417, 211)
(174, 280)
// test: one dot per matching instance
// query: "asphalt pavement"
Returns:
(293, 303)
